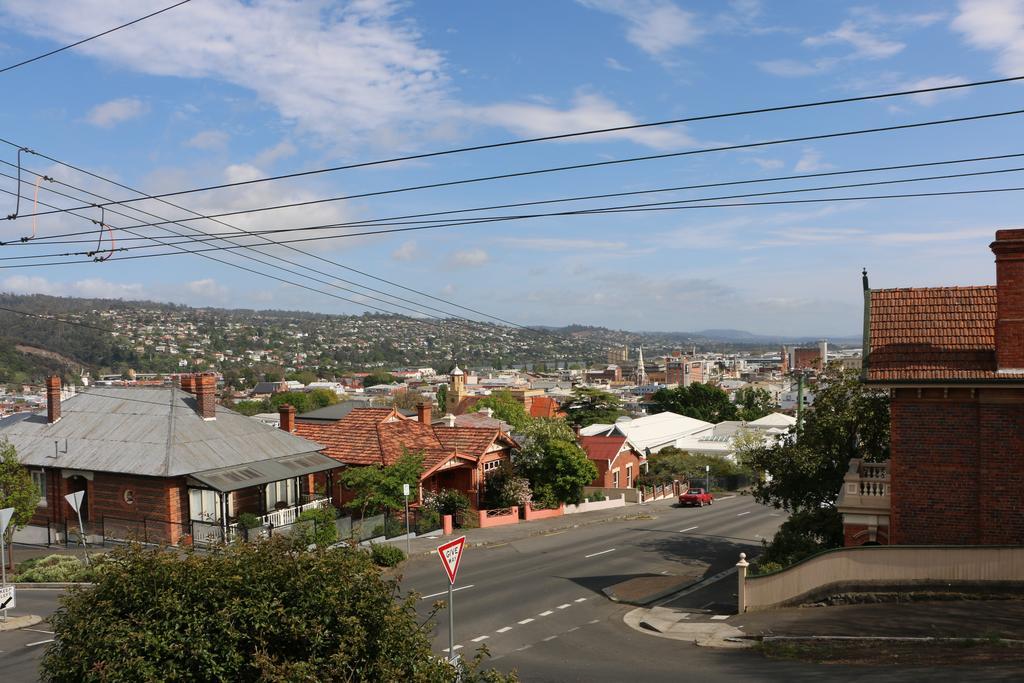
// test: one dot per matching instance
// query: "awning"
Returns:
(236, 477)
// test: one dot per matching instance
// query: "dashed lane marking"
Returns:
(524, 647)
(40, 642)
(434, 595)
(720, 617)
(504, 629)
(610, 550)
(574, 628)
(544, 614)
(36, 630)
(683, 531)
(725, 498)
(743, 513)
(579, 600)
(550, 638)
(479, 638)
(594, 621)
(563, 606)
(525, 621)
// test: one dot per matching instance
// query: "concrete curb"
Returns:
(24, 621)
(659, 622)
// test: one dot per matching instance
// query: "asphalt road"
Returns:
(21, 650)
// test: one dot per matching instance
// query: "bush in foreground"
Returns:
(386, 555)
(58, 569)
(245, 612)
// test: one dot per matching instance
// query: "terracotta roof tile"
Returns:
(602, 447)
(942, 333)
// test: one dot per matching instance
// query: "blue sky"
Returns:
(218, 91)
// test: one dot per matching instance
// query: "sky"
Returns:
(221, 91)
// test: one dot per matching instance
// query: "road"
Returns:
(537, 604)
(20, 651)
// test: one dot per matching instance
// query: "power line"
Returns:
(555, 169)
(596, 131)
(98, 35)
(57, 320)
(612, 210)
(394, 220)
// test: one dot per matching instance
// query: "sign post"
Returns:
(405, 492)
(5, 520)
(707, 474)
(75, 501)
(451, 555)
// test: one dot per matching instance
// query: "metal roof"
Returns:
(152, 431)
(264, 471)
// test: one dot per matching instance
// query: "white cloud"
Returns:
(655, 26)
(208, 139)
(588, 111)
(768, 164)
(207, 289)
(408, 251)
(89, 288)
(340, 72)
(865, 43)
(928, 99)
(556, 244)
(270, 156)
(109, 114)
(791, 68)
(810, 161)
(995, 25)
(615, 64)
(469, 258)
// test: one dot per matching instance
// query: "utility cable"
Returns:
(599, 131)
(571, 167)
(94, 37)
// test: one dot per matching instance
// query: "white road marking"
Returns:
(725, 498)
(550, 638)
(743, 513)
(504, 629)
(683, 531)
(579, 600)
(479, 638)
(544, 614)
(36, 630)
(524, 647)
(434, 595)
(719, 617)
(41, 642)
(525, 621)
(594, 621)
(565, 605)
(610, 550)
(574, 628)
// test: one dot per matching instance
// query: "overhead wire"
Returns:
(598, 131)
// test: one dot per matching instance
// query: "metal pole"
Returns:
(407, 542)
(451, 625)
(81, 530)
(3, 567)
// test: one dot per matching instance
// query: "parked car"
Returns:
(698, 497)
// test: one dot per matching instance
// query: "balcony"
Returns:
(864, 502)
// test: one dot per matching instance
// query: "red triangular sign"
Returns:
(451, 554)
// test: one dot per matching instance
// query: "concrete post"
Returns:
(446, 522)
(741, 575)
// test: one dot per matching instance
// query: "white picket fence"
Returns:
(290, 515)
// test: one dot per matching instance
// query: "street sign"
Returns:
(451, 554)
(7, 600)
(5, 519)
(75, 499)
(405, 489)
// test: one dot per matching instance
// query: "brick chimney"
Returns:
(1009, 251)
(287, 413)
(52, 398)
(206, 395)
(423, 412)
(188, 383)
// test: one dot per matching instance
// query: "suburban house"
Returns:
(720, 439)
(456, 458)
(618, 465)
(160, 464)
(952, 360)
(651, 433)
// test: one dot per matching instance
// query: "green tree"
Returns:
(699, 401)
(246, 612)
(303, 376)
(753, 403)
(556, 467)
(16, 491)
(506, 407)
(375, 378)
(442, 399)
(592, 406)
(377, 488)
(671, 463)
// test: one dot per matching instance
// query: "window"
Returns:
(491, 466)
(281, 492)
(615, 479)
(629, 476)
(39, 479)
(204, 505)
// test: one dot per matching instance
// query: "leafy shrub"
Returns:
(390, 528)
(244, 612)
(248, 520)
(429, 520)
(503, 488)
(58, 569)
(386, 555)
(447, 502)
(315, 527)
(805, 533)
(597, 496)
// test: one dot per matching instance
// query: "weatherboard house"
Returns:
(952, 360)
(163, 464)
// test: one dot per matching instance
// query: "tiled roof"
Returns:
(466, 440)
(543, 406)
(602, 447)
(942, 333)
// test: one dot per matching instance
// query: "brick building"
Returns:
(156, 463)
(952, 359)
(618, 465)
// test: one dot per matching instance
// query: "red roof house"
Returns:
(618, 465)
(952, 359)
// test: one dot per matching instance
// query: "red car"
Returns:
(698, 497)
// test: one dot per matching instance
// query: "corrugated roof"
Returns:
(942, 333)
(146, 431)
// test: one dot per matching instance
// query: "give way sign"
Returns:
(451, 554)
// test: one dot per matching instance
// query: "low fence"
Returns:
(498, 517)
(590, 505)
(530, 513)
(881, 568)
(627, 495)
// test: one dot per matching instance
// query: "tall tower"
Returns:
(641, 372)
(458, 378)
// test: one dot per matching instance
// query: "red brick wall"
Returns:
(957, 466)
(857, 534)
(604, 475)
